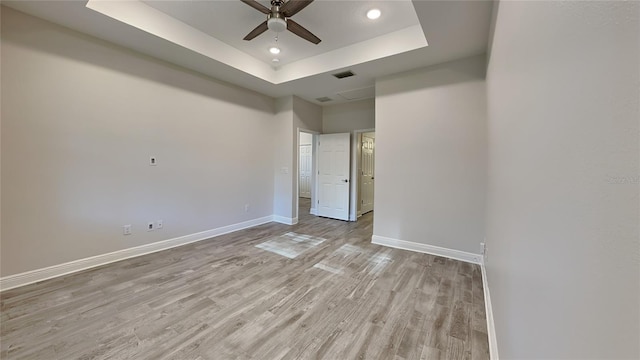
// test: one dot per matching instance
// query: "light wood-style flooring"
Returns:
(316, 290)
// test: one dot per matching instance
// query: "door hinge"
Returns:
(318, 201)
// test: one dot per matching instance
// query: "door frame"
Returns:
(314, 172)
(355, 161)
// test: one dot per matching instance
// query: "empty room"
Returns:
(254, 179)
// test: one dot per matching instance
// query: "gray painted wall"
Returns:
(306, 116)
(80, 119)
(562, 227)
(284, 144)
(355, 115)
(292, 113)
(431, 155)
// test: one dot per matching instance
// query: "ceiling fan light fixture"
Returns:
(374, 14)
(279, 19)
(277, 24)
(274, 50)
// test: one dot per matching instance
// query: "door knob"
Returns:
(345, 180)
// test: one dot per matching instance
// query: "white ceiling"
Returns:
(229, 21)
(206, 37)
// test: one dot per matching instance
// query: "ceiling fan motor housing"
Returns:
(276, 22)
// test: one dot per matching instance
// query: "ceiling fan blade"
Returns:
(256, 5)
(257, 31)
(292, 7)
(297, 29)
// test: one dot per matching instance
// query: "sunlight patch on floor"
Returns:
(328, 268)
(291, 244)
(378, 262)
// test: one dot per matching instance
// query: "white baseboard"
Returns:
(428, 249)
(313, 211)
(30, 277)
(285, 220)
(491, 329)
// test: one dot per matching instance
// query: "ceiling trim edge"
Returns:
(150, 20)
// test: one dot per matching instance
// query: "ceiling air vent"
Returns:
(324, 99)
(344, 74)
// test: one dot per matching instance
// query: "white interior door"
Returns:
(333, 176)
(367, 178)
(305, 171)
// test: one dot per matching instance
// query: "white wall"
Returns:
(80, 118)
(355, 115)
(562, 229)
(431, 155)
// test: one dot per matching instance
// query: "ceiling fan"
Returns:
(279, 18)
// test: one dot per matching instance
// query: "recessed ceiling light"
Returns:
(374, 14)
(274, 50)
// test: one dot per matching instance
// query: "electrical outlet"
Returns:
(150, 226)
(126, 230)
(246, 208)
(159, 224)
(483, 248)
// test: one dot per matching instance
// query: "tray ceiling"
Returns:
(206, 37)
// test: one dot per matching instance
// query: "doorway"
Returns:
(363, 173)
(306, 176)
(359, 177)
(367, 161)
(305, 165)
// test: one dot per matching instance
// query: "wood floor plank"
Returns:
(459, 326)
(457, 349)
(232, 298)
(479, 345)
